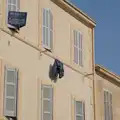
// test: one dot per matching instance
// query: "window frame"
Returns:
(8, 112)
(108, 103)
(78, 44)
(42, 100)
(83, 110)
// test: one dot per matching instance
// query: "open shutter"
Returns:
(47, 102)
(10, 97)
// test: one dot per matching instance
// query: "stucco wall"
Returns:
(34, 66)
(33, 72)
(104, 83)
(64, 24)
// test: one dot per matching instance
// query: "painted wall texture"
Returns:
(24, 51)
(106, 83)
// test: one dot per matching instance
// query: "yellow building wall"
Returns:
(33, 72)
(64, 24)
(104, 83)
(24, 54)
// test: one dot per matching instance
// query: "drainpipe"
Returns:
(93, 69)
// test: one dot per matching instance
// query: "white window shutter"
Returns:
(78, 47)
(47, 39)
(47, 102)
(10, 96)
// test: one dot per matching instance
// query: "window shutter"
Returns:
(79, 110)
(108, 105)
(75, 47)
(78, 48)
(47, 39)
(47, 102)
(10, 97)
(12, 5)
(44, 28)
(51, 29)
(111, 115)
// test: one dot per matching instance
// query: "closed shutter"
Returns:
(47, 39)
(47, 102)
(75, 47)
(108, 105)
(13, 5)
(105, 105)
(78, 48)
(10, 97)
(79, 110)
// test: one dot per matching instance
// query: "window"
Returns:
(47, 29)
(79, 110)
(12, 5)
(108, 105)
(10, 94)
(78, 48)
(47, 102)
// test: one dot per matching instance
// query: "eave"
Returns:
(106, 72)
(75, 12)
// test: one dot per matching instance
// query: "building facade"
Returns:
(56, 32)
(107, 94)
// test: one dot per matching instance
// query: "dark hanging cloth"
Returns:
(58, 69)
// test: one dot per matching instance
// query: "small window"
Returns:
(47, 29)
(79, 110)
(47, 102)
(10, 96)
(108, 106)
(78, 48)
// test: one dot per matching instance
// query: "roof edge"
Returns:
(103, 70)
(75, 12)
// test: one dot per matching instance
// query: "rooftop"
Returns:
(108, 73)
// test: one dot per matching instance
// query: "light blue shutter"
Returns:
(47, 102)
(47, 39)
(10, 96)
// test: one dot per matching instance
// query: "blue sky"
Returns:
(106, 13)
